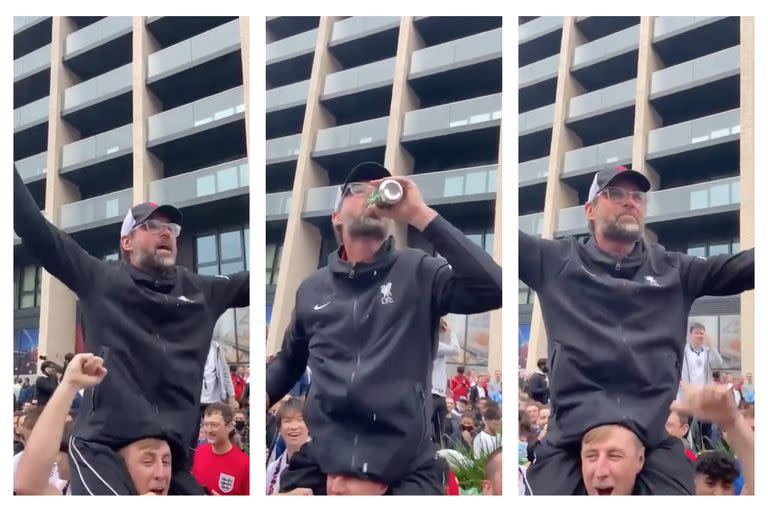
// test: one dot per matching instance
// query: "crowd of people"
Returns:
(466, 419)
(713, 419)
(46, 410)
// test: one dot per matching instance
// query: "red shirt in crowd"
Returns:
(226, 474)
(690, 455)
(453, 484)
(238, 383)
(459, 385)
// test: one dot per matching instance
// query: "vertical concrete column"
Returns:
(146, 166)
(57, 302)
(747, 183)
(495, 331)
(646, 118)
(245, 54)
(559, 195)
(302, 239)
(396, 157)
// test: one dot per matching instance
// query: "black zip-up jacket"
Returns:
(153, 332)
(369, 334)
(616, 328)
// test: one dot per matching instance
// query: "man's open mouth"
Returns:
(607, 491)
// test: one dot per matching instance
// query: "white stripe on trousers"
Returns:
(76, 451)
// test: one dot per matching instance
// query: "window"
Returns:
(473, 334)
(112, 256)
(232, 252)
(221, 252)
(483, 237)
(714, 248)
(27, 282)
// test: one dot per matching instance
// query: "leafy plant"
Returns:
(468, 468)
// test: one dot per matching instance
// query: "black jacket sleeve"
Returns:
(540, 259)
(726, 274)
(469, 281)
(57, 252)
(231, 291)
(289, 364)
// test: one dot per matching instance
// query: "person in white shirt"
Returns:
(217, 382)
(448, 345)
(700, 358)
(489, 439)
(16, 389)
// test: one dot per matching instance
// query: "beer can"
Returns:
(388, 193)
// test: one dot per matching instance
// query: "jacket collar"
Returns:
(162, 282)
(383, 259)
(618, 266)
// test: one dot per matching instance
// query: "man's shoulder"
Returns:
(239, 456)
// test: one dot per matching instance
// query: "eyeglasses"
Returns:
(619, 194)
(358, 188)
(156, 227)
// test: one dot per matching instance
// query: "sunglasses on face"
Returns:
(358, 188)
(156, 227)
(619, 194)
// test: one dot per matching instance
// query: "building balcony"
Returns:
(99, 47)
(580, 165)
(436, 70)
(679, 39)
(532, 224)
(108, 155)
(603, 114)
(707, 143)
(537, 83)
(96, 212)
(697, 88)
(358, 40)
(30, 129)
(606, 61)
(205, 131)
(286, 106)
(101, 103)
(202, 186)
(455, 133)
(33, 168)
(539, 38)
(535, 132)
(289, 60)
(173, 73)
(278, 206)
(340, 148)
(359, 93)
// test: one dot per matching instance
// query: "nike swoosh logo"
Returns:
(318, 307)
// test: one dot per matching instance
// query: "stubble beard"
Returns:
(367, 227)
(621, 232)
(155, 262)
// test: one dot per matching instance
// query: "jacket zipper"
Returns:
(357, 365)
